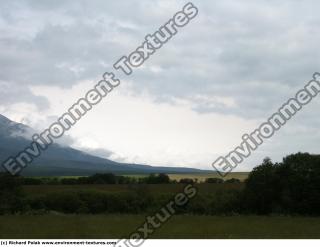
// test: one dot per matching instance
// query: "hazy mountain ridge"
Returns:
(66, 161)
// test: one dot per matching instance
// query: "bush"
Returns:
(11, 196)
(233, 181)
(31, 181)
(214, 181)
(186, 181)
(69, 181)
(156, 179)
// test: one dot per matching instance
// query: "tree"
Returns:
(290, 187)
(300, 183)
(261, 190)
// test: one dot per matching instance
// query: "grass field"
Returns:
(201, 177)
(94, 226)
(190, 227)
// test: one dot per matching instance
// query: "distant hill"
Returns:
(66, 161)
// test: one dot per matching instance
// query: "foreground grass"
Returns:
(117, 226)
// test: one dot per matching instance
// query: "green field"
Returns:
(201, 177)
(208, 216)
(189, 227)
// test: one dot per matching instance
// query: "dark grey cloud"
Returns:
(257, 53)
(242, 58)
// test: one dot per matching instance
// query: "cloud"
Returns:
(230, 50)
(241, 60)
(100, 152)
(13, 93)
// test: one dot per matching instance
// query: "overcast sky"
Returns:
(221, 76)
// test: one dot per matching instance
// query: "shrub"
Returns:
(186, 181)
(11, 196)
(233, 181)
(156, 179)
(32, 181)
(214, 181)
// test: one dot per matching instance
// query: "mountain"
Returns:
(59, 160)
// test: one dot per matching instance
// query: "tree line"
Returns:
(290, 187)
(110, 178)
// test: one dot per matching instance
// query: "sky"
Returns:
(220, 77)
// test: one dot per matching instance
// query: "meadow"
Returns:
(274, 201)
(201, 177)
(55, 224)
